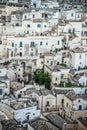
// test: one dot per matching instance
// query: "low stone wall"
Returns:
(79, 113)
(81, 126)
(72, 126)
(7, 110)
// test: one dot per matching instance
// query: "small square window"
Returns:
(45, 26)
(28, 25)
(38, 25)
(47, 103)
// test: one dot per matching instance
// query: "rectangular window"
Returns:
(0, 42)
(73, 30)
(20, 44)
(86, 41)
(72, 14)
(47, 103)
(32, 44)
(85, 33)
(46, 43)
(31, 54)
(69, 31)
(51, 62)
(25, 17)
(56, 79)
(80, 56)
(33, 16)
(20, 54)
(0, 91)
(58, 42)
(62, 101)
(82, 33)
(12, 44)
(17, 24)
(80, 107)
(67, 104)
(28, 116)
(38, 25)
(40, 43)
(47, 61)
(62, 76)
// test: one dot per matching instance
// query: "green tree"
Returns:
(43, 79)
